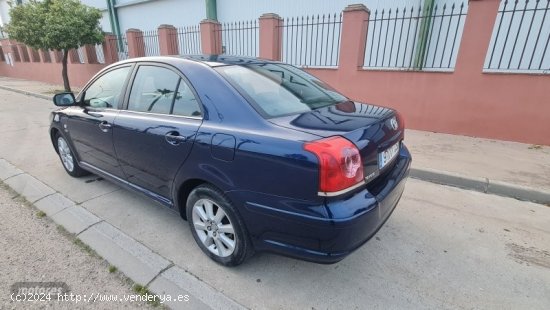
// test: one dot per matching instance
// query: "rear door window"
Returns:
(185, 102)
(153, 90)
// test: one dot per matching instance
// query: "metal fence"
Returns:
(189, 40)
(150, 41)
(240, 38)
(120, 44)
(415, 38)
(24, 52)
(47, 56)
(15, 51)
(312, 41)
(521, 37)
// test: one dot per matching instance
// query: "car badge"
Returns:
(393, 123)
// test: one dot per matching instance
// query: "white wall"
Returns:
(4, 12)
(149, 15)
(236, 10)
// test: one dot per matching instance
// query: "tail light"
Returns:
(340, 165)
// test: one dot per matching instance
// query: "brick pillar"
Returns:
(211, 37)
(168, 40)
(476, 37)
(90, 54)
(271, 35)
(354, 36)
(136, 46)
(110, 49)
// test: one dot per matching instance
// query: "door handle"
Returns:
(104, 126)
(174, 138)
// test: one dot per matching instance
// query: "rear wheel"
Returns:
(217, 227)
(67, 157)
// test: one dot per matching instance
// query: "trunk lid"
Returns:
(373, 129)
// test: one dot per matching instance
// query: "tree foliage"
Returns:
(55, 24)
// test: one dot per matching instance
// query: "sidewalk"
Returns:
(498, 167)
(34, 88)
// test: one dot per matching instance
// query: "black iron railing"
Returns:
(47, 56)
(24, 52)
(312, 41)
(15, 51)
(119, 44)
(150, 42)
(521, 37)
(189, 40)
(415, 38)
(240, 38)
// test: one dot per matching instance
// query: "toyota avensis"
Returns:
(256, 155)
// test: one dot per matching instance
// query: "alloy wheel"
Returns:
(65, 154)
(214, 228)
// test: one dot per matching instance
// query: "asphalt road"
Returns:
(443, 247)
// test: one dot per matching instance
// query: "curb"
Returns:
(24, 92)
(483, 185)
(132, 258)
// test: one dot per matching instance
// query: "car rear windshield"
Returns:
(278, 89)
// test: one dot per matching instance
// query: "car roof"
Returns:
(209, 60)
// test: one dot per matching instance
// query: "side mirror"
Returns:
(64, 99)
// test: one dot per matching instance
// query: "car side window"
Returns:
(106, 91)
(153, 90)
(186, 103)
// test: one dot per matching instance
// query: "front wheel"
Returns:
(217, 227)
(67, 157)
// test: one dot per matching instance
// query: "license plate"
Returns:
(388, 155)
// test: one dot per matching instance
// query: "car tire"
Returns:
(221, 236)
(68, 160)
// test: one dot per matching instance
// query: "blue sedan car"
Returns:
(256, 155)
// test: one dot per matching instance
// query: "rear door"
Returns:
(154, 135)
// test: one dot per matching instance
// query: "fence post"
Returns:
(90, 54)
(136, 46)
(271, 34)
(110, 49)
(211, 37)
(168, 40)
(354, 37)
(476, 36)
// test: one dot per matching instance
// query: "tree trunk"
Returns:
(64, 70)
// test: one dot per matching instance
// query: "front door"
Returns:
(90, 124)
(154, 135)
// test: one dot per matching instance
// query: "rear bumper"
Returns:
(342, 224)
